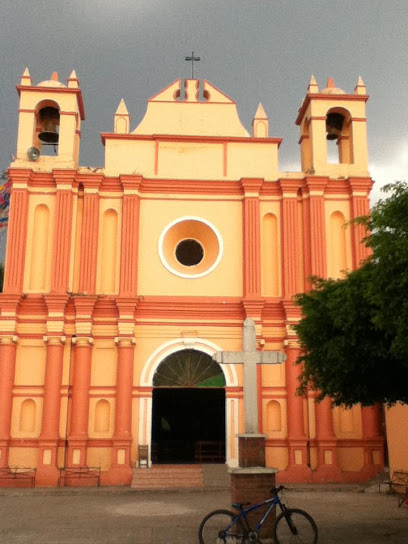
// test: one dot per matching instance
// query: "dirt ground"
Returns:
(107, 515)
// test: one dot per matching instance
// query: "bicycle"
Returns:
(291, 526)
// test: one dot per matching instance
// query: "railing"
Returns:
(80, 475)
(21, 475)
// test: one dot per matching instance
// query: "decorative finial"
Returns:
(260, 124)
(360, 88)
(73, 80)
(122, 119)
(313, 87)
(122, 109)
(25, 79)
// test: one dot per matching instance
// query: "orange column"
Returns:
(121, 469)
(80, 401)
(326, 442)
(47, 470)
(373, 439)
(298, 452)
(130, 236)
(7, 371)
(63, 231)
(17, 233)
(327, 469)
(89, 237)
(297, 469)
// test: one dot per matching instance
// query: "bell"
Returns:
(49, 119)
(334, 125)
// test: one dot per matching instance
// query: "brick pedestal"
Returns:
(254, 484)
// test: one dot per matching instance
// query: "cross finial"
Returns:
(191, 59)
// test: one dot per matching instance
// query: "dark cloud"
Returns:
(254, 50)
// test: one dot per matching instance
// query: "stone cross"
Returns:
(250, 357)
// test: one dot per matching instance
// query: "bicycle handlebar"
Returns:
(277, 490)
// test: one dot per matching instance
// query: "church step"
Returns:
(181, 476)
(168, 477)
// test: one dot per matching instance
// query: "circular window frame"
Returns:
(191, 274)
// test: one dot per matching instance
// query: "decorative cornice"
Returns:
(251, 186)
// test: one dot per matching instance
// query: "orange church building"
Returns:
(122, 283)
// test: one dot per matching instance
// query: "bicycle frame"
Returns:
(272, 502)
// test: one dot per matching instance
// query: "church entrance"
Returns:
(188, 423)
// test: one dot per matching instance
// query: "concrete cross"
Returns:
(250, 357)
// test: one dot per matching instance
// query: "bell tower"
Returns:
(49, 128)
(333, 138)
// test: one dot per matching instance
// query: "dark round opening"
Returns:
(189, 252)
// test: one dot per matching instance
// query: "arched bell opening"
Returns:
(188, 416)
(339, 136)
(47, 127)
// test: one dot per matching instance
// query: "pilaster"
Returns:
(17, 231)
(130, 235)
(316, 187)
(292, 283)
(89, 238)
(64, 180)
(360, 206)
(251, 238)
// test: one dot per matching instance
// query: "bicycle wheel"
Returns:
(294, 526)
(219, 527)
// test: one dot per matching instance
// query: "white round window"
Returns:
(190, 247)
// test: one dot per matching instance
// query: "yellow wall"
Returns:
(224, 280)
(40, 235)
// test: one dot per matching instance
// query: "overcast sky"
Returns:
(253, 50)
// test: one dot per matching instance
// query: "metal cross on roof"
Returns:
(191, 59)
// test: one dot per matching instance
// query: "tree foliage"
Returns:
(354, 332)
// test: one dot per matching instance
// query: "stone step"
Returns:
(168, 477)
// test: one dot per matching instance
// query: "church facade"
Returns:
(122, 283)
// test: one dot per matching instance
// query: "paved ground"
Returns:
(106, 515)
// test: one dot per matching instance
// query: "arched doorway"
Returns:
(188, 415)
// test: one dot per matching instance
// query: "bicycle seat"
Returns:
(240, 504)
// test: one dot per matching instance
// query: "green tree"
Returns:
(354, 332)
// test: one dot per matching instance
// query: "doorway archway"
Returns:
(188, 409)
